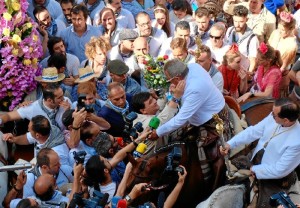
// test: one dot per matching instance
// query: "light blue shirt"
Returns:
(76, 44)
(53, 8)
(134, 7)
(201, 99)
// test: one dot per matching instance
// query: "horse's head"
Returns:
(145, 169)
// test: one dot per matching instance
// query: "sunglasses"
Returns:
(215, 37)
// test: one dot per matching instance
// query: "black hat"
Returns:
(117, 67)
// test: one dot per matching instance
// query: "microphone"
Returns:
(140, 150)
(154, 123)
(15, 167)
(122, 203)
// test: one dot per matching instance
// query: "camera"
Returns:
(98, 200)
(173, 159)
(281, 198)
(50, 204)
(129, 129)
(81, 104)
(79, 157)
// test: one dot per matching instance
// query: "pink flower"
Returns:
(263, 48)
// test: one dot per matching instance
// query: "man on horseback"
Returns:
(201, 99)
(277, 153)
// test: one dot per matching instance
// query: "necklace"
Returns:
(274, 134)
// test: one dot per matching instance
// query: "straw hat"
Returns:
(86, 74)
(50, 75)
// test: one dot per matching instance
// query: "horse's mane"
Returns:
(168, 147)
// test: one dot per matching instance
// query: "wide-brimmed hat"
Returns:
(86, 74)
(50, 75)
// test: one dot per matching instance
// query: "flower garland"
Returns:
(20, 51)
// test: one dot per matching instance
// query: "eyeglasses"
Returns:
(169, 80)
(215, 37)
(145, 24)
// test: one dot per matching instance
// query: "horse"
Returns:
(152, 169)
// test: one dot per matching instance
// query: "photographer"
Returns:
(97, 170)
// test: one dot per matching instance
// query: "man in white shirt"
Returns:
(216, 43)
(156, 37)
(124, 17)
(182, 30)
(277, 153)
(205, 60)
(243, 36)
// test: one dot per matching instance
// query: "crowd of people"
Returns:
(93, 67)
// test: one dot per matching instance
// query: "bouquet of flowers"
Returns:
(20, 50)
(154, 74)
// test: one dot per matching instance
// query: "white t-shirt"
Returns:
(218, 53)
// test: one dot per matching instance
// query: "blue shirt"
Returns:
(115, 119)
(273, 5)
(52, 6)
(201, 99)
(76, 44)
(134, 7)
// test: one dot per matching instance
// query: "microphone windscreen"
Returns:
(122, 204)
(154, 123)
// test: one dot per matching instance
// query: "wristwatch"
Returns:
(176, 100)
(128, 198)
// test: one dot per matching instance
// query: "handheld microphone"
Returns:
(104, 200)
(154, 123)
(140, 150)
(122, 203)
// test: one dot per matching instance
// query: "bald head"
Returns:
(44, 187)
(140, 46)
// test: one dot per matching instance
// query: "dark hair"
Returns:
(240, 11)
(183, 25)
(48, 92)
(37, 10)
(108, 1)
(41, 125)
(95, 169)
(67, 118)
(57, 60)
(272, 55)
(137, 101)
(66, 2)
(80, 8)
(25, 203)
(85, 131)
(182, 5)
(104, 144)
(42, 157)
(52, 41)
(289, 109)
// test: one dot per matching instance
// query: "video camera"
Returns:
(283, 199)
(98, 200)
(81, 104)
(79, 157)
(129, 129)
(173, 159)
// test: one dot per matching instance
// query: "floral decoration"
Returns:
(263, 48)
(234, 48)
(20, 51)
(154, 74)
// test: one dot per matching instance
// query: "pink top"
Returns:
(272, 77)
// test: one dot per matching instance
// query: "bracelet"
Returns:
(76, 128)
(17, 190)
